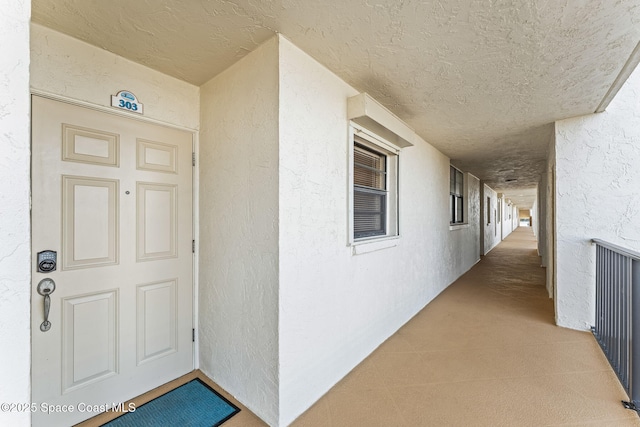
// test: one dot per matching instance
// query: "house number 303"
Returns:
(126, 101)
(128, 105)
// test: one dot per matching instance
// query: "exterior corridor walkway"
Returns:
(485, 352)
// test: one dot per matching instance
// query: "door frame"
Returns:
(194, 208)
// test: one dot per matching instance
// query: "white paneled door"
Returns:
(112, 197)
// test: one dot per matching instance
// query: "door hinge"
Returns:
(193, 335)
(193, 159)
(193, 246)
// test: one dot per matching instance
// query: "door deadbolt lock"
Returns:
(47, 261)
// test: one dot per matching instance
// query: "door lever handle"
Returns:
(46, 288)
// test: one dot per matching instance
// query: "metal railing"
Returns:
(617, 327)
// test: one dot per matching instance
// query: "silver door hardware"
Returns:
(47, 261)
(46, 288)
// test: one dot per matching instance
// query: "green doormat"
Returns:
(192, 404)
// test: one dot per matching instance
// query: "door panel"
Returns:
(113, 197)
(157, 319)
(89, 222)
(156, 221)
(90, 146)
(89, 339)
(156, 156)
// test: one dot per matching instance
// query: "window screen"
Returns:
(369, 192)
(456, 200)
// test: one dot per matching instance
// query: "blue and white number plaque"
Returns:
(125, 100)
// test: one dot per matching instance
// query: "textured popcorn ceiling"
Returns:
(482, 80)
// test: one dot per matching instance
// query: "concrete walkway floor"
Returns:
(485, 352)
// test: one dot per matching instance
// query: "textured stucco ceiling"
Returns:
(482, 80)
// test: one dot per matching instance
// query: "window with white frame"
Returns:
(488, 210)
(375, 188)
(456, 198)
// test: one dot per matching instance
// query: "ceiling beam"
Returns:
(624, 74)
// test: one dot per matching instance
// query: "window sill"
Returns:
(367, 246)
(457, 226)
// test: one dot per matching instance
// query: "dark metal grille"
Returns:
(618, 313)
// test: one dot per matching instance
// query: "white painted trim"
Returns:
(106, 109)
(367, 246)
(195, 199)
(470, 174)
(465, 199)
(377, 139)
(458, 226)
(350, 185)
(365, 110)
(622, 77)
(393, 178)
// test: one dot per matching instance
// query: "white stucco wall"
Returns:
(503, 224)
(238, 327)
(541, 212)
(550, 252)
(544, 233)
(261, 187)
(335, 308)
(68, 67)
(15, 250)
(465, 242)
(534, 219)
(507, 219)
(491, 232)
(597, 196)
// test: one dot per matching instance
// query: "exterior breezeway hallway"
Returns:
(485, 352)
(331, 238)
